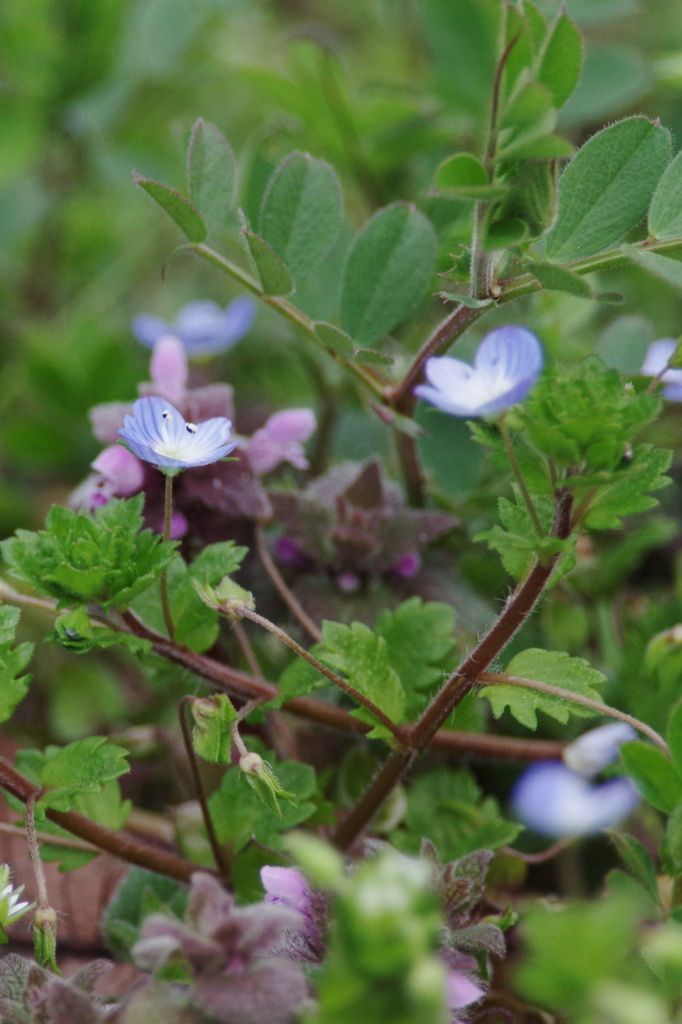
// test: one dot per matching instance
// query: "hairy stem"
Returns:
(34, 850)
(513, 615)
(518, 476)
(163, 582)
(292, 602)
(216, 849)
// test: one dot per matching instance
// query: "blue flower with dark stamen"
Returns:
(506, 366)
(202, 326)
(157, 433)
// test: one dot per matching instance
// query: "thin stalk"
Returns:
(290, 599)
(163, 582)
(337, 680)
(42, 902)
(516, 470)
(371, 378)
(463, 679)
(218, 854)
(247, 649)
(538, 858)
(46, 837)
(502, 679)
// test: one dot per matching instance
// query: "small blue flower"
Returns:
(506, 366)
(157, 433)
(597, 748)
(555, 801)
(655, 362)
(202, 326)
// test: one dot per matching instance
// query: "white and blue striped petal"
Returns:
(157, 433)
(506, 366)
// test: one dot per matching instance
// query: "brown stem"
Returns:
(217, 850)
(119, 844)
(513, 615)
(247, 649)
(290, 599)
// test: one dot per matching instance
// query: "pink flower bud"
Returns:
(121, 469)
(287, 886)
(168, 368)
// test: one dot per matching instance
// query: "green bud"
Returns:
(213, 717)
(260, 775)
(45, 939)
(227, 597)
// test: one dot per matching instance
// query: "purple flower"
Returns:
(286, 886)
(597, 748)
(555, 801)
(506, 366)
(120, 469)
(157, 433)
(202, 326)
(168, 368)
(279, 440)
(656, 360)
(461, 991)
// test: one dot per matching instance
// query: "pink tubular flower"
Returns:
(168, 368)
(122, 470)
(280, 440)
(286, 886)
(461, 991)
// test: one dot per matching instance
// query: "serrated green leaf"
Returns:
(334, 339)
(627, 493)
(661, 266)
(561, 59)
(274, 276)
(80, 767)
(558, 279)
(76, 632)
(363, 657)
(552, 667)
(665, 212)
(13, 660)
(518, 544)
(387, 270)
(301, 678)
(420, 640)
(217, 560)
(210, 174)
(179, 209)
(104, 558)
(302, 212)
(653, 774)
(606, 188)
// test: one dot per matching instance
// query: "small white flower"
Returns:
(506, 366)
(595, 749)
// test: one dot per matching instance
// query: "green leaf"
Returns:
(674, 736)
(274, 276)
(653, 774)
(81, 767)
(196, 625)
(217, 560)
(450, 809)
(79, 558)
(536, 22)
(529, 104)
(76, 632)
(561, 59)
(518, 543)
(363, 657)
(673, 841)
(179, 209)
(334, 339)
(637, 860)
(552, 667)
(665, 212)
(463, 39)
(558, 279)
(13, 661)
(211, 736)
(606, 188)
(464, 175)
(661, 266)
(302, 212)
(387, 271)
(627, 493)
(139, 893)
(210, 174)
(502, 234)
(420, 640)
(371, 357)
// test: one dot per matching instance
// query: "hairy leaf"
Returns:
(179, 209)
(210, 174)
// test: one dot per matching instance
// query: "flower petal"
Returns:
(597, 748)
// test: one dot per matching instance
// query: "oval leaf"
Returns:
(653, 774)
(302, 212)
(179, 209)
(334, 339)
(665, 212)
(387, 270)
(561, 60)
(210, 174)
(558, 279)
(274, 276)
(605, 190)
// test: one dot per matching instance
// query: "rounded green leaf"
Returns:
(665, 212)
(561, 60)
(210, 173)
(653, 774)
(274, 276)
(302, 212)
(606, 188)
(387, 270)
